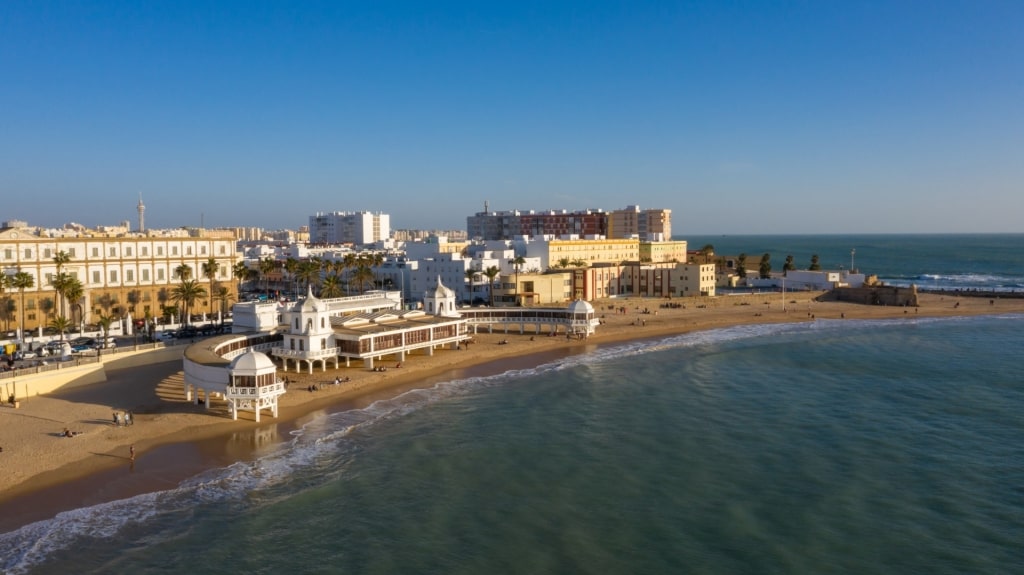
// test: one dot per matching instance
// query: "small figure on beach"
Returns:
(131, 452)
(128, 419)
(116, 422)
(398, 365)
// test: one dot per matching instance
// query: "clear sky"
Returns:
(741, 117)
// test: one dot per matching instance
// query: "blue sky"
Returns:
(741, 117)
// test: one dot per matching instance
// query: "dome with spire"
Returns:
(311, 303)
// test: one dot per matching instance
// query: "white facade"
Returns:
(360, 228)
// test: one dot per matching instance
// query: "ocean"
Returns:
(850, 446)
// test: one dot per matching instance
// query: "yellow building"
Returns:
(658, 252)
(119, 275)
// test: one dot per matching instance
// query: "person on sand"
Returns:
(131, 452)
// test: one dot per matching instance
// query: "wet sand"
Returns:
(45, 473)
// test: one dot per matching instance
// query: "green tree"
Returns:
(578, 263)
(5, 283)
(240, 271)
(765, 267)
(224, 296)
(472, 275)
(210, 269)
(331, 286)
(517, 265)
(74, 291)
(60, 260)
(491, 273)
(22, 281)
(707, 252)
(267, 266)
(741, 266)
(62, 325)
(187, 293)
(362, 276)
(105, 321)
(815, 266)
(789, 265)
(309, 273)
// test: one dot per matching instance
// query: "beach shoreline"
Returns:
(174, 439)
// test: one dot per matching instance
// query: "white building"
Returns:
(359, 228)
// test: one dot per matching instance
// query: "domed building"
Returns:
(253, 384)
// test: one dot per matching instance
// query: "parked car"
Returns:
(165, 335)
(188, 331)
(80, 344)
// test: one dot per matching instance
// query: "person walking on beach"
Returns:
(131, 452)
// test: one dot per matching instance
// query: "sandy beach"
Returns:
(46, 472)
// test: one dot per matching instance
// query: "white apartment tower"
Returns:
(360, 228)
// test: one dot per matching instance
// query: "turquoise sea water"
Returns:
(960, 261)
(828, 447)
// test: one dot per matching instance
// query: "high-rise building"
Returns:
(631, 222)
(359, 228)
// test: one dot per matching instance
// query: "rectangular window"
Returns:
(113, 276)
(129, 275)
(113, 252)
(174, 250)
(188, 250)
(8, 254)
(47, 253)
(96, 277)
(145, 275)
(145, 250)
(28, 253)
(95, 252)
(223, 250)
(128, 252)
(71, 253)
(49, 279)
(160, 274)
(159, 250)
(202, 250)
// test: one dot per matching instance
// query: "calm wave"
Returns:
(828, 447)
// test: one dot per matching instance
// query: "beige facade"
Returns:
(590, 252)
(120, 275)
(643, 280)
(658, 252)
(527, 289)
(643, 224)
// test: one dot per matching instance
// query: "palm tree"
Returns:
(471, 275)
(22, 281)
(815, 266)
(5, 282)
(517, 264)
(578, 263)
(707, 251)
(60, 260)
(331, 287)
(309, 273)
(186, 293)
(291, 265)
(224, 296)
(183, 272)
(210, 269)
(73, 291)
(789, 265)
(765, 267)
(61, 324)
(741, 266)
(267, 266)
(241, 273)
(491, 273)
(363, 276)
(105, 321)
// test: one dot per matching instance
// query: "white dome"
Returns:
(441, 291)
(311, 303)
(580, 306)
(253, 362)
